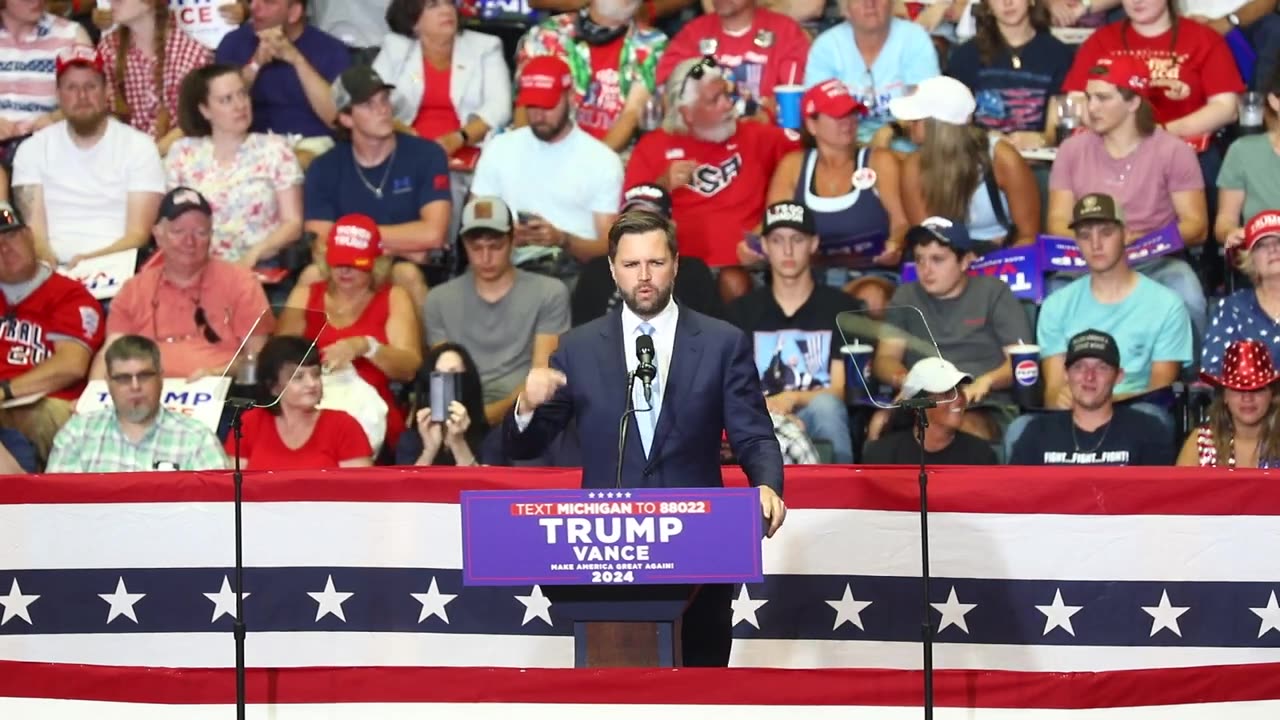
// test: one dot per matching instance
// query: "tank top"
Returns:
(843, 220)
(982, 221)
(372, 322)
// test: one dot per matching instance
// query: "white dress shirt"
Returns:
(664, 340)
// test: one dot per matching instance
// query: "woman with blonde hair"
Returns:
(1241, 431)
(146, 58)
(356, 317)
(962, 172)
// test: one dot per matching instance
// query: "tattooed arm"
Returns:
(29, 200)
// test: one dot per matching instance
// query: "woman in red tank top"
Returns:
(356, 317)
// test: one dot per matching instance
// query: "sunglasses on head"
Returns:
(698, 71)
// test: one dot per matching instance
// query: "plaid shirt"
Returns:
(182, 55)
(797, 448)
(93, 442)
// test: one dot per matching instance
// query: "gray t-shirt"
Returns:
(972, 329)
(498, 335)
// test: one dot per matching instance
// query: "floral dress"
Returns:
(242, 193)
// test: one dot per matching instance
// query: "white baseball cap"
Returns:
(932, 375)
(942, 98)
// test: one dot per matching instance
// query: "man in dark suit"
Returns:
(707, 381)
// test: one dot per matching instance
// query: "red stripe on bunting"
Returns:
(1073, 491)
(744, 686)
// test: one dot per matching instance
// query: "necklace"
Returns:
(377, 191)
(1076, 441)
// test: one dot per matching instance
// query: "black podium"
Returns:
(624, 626)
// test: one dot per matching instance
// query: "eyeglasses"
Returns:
(145, 376)
(697, 72)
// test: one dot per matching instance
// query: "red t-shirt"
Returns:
(436, 115)
(1184, 74)
(771, 52)
(59, 310)
(372, 322)
(602, 103)
(726, 197)
(336, 437)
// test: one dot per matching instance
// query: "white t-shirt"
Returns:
(565, 182)
(86, 191)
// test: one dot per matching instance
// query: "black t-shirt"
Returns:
(901, 448)
(793, 353)
(1131, 438)
(1010, 100)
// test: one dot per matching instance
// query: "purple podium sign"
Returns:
(636, 536)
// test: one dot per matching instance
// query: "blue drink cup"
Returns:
(788, 99)
(1028, 388)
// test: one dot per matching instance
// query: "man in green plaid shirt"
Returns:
(136, 433)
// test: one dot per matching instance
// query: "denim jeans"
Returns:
(826, 418)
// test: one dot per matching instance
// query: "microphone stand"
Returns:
(919, 407)
(238, 406)
(622, 426)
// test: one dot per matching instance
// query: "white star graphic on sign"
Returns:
(591, 495)
(16, 604)
(1270, 615)
(536, 605)
(122, 602)
(330, 601)
(224, 601)
(1165, 615)
(744, 608)
(1058, 615)
(848, 610)
(433, 602)
(953, 612)
(627, 494)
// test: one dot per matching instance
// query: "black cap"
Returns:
(182, 199)
(1096, 207)
(357, 84)
(647, 196)
(9, 218)
(787, 214)
(1093, 344)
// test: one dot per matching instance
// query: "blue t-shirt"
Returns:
(907, 58)
(279, 102)
(419, 175)
(1012, 99)
(1150, 325)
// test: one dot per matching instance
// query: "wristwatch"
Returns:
(373, 346)
(1234, 19)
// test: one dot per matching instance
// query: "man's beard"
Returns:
(547, 135)
(86, 125)
(648, 308)
(719, 133)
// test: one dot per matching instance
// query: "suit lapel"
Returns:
(686, 353)
(612, 362)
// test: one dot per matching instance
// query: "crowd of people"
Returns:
(364, 198)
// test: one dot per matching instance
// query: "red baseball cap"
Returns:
(831, 98)
(81, 55)
(543, 81)
(1264, 224)
(354, 241)
(1123, 71)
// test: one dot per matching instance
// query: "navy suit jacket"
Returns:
(712, 385)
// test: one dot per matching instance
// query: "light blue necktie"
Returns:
(647, 422)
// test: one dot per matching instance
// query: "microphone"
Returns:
(646, 370)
